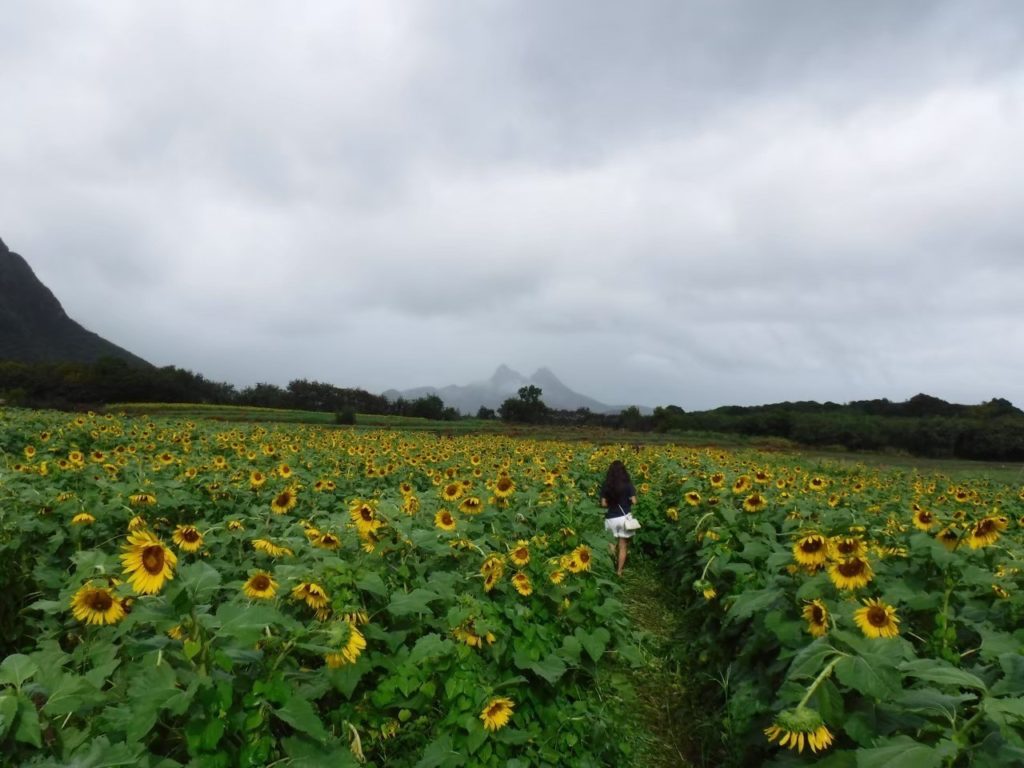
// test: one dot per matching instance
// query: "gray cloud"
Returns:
(667, 202)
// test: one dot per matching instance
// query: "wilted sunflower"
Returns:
(142, 499)
(800, 727)
(83, 518)
(755, 502)
(986, 532)
(284, 501)
(672, 514)
(235, 525)
(96, 605)
(260, 586)
(354, 645)
(497, 713)
(811, 550)
(877, 619)
(312, 594)
(522, 584)
(444, 520)
(188, 538)
(147, 562)
(580, 559)
(520, 554)
(270, 548)
(411, 505)
(851, 573)
(816, 615)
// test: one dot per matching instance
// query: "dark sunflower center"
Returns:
(100, 600)
(848, 546)
(191, 535)
(283, 499)
(810, 546)
(366, 514)
(851, 568)
(153, 559)
(584, 557)
(261, 583)
(504, 485)
(877, 617)
(984, 527)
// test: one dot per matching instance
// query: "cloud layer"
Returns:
(695, 203)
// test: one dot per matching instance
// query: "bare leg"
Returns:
(623, 549)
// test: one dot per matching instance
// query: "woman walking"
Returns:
(618, 497)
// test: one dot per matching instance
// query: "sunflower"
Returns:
(326, 540)
(522, 584)
(580, 559)
(284, 501)
(717, 480)
(451, 491)
(557, 576)
(844, 547)
(520, 555)
(142, 499)
(672, 514)
(270, 548)
(188, 538)
(497, 713)
(96, 605)
(411, 505)
(741, 484)
(260, 586)
(800, 727)
(817, 483)
(923, 519)
(444, 520)
(986, 532)
(948, 537)
(504, 487)
(816, 615)
(851, 573)
(811, 550)
(364, 515)
(235, 525)
(312, 594)
(354, 645)
(471, 505)
(83, 518)
(284, 471)
(257, 479)
(405, 488)
(148, 562)
(876, 619)
(755, 502)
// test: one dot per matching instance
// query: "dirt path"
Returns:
(665, 713)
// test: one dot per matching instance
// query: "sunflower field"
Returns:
(188, 592)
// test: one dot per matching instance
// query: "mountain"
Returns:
(35, 328)
(503, 384)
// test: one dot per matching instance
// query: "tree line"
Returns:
(921, 426)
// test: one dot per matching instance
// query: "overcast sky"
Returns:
(664, 201)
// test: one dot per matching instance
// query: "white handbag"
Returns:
(630, 523)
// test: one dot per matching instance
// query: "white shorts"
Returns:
(617, 527)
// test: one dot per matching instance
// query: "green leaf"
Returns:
(427, 647)
(201, 580)
(1014, 708)
(71, 693)
(16, 669)
(810, 660)
(899, 752)
(373, 583)
(439, 753)
(100, 753)
(27, 728)
(754, 601)
(8, 712)
(931, 701)
(942, 673)
(594, 642)
(244, 623)
(550, 668)
(307, 754)
(190, 648)
(1012, 683)
(856, 673)
(406, 603)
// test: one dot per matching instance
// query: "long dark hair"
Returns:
(616, 483)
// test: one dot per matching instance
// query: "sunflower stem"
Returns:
(822, 676)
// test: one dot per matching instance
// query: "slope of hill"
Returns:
(35, 328)
(503, 384)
